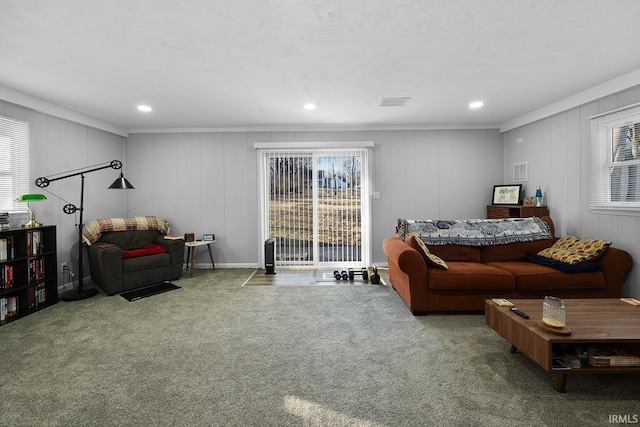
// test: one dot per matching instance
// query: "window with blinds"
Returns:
(615, 159)
(14, 163)
(316, 206)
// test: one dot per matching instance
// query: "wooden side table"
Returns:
(515, 211)
(191, 251)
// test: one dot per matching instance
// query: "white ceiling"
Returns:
(253, 64)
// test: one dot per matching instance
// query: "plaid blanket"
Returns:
(93, 230)
(475, 232)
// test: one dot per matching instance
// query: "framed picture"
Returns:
(507, 194)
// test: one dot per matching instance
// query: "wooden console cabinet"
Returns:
(28, 271)
(515, 211)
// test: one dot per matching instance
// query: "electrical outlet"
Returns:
(63, 267)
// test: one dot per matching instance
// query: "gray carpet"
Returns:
(215, 353)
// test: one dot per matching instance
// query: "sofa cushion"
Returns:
(456, 252)
(536, 277)
(573, 250)
(146, 262)
(429, 258)
(470, 276)
(513, 251)
(150, 249)
(128, 240)
(583, 267)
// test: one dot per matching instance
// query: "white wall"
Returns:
(207, 182)
(558, 151)
(57, 146)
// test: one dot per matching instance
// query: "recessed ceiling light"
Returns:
(144, 108)
(476, 104)
(309, 106)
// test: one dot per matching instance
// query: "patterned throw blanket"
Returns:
(93, 230)
(475, 232)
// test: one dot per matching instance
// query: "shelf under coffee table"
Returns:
(597, 321)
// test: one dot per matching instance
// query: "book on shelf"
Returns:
(32, 297)
(36, 270)
(4, 220)
(7, 277)
(7, 250)
(612, 356)
(8, 307)
(37, 296)
(34, 242)
(41, 295)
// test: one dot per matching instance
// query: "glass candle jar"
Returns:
(553, 312)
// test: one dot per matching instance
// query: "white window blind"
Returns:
(615, 160)
(14, 163)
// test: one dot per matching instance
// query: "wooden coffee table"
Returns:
(598, 321)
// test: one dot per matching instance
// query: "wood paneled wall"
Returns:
(57, 146)
(207, 182)
(558, 150)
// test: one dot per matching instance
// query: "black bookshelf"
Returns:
(28, 271)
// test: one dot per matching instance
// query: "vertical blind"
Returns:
(316, 210)
(615, 159)
(290, 215)
(14, 162)
(340, 207)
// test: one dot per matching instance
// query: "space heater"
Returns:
(269, 256)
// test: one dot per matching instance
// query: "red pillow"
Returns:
(150, 249)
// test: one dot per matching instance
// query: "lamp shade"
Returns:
(121, 183)
(31, 197)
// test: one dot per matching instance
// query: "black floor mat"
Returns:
(148, 291)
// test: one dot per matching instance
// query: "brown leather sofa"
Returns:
(477, 273)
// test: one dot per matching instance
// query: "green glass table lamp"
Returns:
(28, 198)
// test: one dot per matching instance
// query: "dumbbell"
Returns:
(375, 277)
(337, 275)
(363, 272)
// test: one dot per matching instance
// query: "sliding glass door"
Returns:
(317, 206)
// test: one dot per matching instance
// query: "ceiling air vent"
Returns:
(394, 102)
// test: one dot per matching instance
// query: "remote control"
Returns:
(519, 313)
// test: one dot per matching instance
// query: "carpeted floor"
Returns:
(216, 353)
(302, 277)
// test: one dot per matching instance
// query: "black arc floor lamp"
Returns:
(120, 183)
